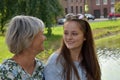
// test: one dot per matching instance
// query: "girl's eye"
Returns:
(65, 33)
(74, 33)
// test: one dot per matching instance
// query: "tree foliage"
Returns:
(47, 10)
(50, 9)
(7, 9)
(117, 7)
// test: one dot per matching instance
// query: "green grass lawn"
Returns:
(105, 24)
(106, 34)
(108, 42)
(4, 53)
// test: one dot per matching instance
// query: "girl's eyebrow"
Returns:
(74, 31)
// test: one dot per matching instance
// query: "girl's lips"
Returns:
(70, 42)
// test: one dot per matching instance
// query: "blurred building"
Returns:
(73, 6)
(99, 8)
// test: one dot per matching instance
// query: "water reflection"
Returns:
(110, 63)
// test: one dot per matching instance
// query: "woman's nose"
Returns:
(45, 38)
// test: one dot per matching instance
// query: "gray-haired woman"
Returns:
(25, 40)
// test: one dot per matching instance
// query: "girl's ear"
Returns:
(84, 39)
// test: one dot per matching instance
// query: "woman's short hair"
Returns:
(21, 31)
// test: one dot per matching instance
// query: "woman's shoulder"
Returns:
(8, 63)
(8, 66)
(39, 64)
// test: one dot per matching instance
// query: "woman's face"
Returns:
(37, 43)
(73, 35)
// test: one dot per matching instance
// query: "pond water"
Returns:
(110, 63)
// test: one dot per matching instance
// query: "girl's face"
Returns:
(73, 36)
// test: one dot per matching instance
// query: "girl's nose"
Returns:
(69, 36)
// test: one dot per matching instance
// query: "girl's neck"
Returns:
(76, 55)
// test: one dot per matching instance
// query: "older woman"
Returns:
(25, 40)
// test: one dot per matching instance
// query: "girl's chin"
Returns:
(70, 47)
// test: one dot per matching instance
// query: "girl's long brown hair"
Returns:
(89, 62)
